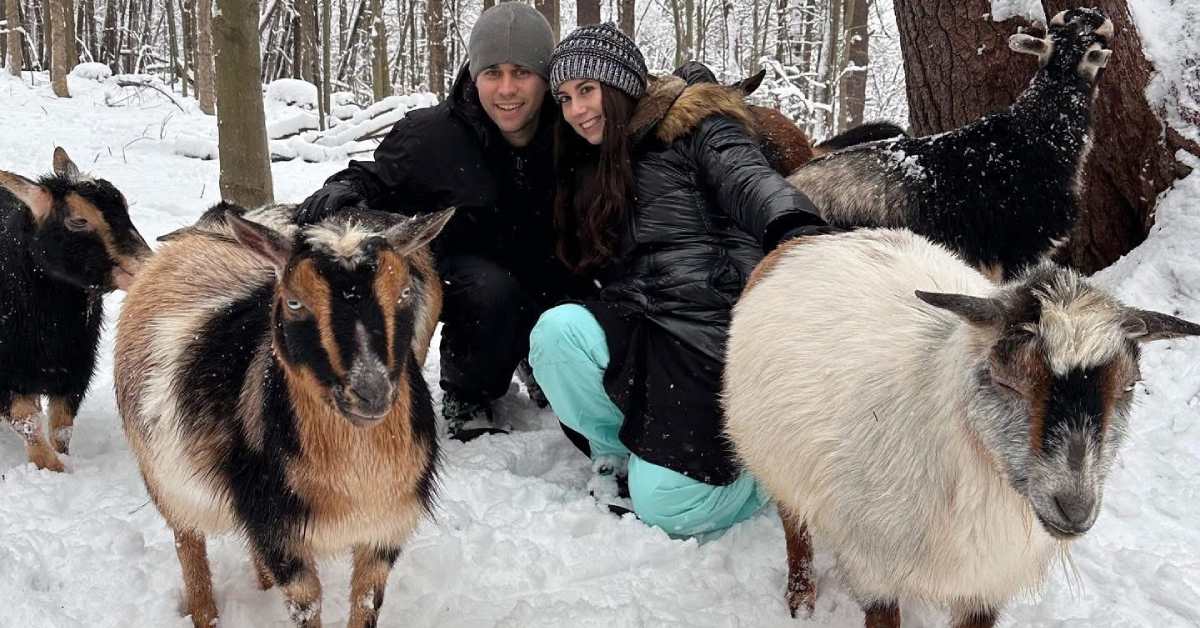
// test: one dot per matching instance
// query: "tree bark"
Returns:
(172, 39)
(307, 61)
(829, 65)
(59, 64)
(205, 89)
(72, 49)
(381, 78)
(549, 9)
(241, 122)
(587, 12)
(188, 22)
(326, 53)
(626, 12)
(852, 95)
(955, 76)
(435, 32)
(15, 56)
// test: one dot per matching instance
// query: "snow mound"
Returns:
(92, 71)
(293, 92)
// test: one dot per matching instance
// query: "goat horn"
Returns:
(1059, 19)
(1106, 29)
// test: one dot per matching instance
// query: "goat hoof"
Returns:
(44, 458)
(62, 440)
(802, 600)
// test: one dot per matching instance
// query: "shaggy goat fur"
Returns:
(65, 241)
(270, 384)
(1002, 191)
(944, 446)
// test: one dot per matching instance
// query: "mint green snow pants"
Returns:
(569, 352)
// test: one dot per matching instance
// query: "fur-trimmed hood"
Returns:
(671, 108)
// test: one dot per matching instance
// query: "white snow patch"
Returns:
(92, 71)
(293, 92)
(1031, 10)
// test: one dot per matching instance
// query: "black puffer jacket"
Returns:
(708, 205)
(452, 154)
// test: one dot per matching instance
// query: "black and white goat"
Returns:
(65, 240)
(269, 381)
(1002, 191)
(942, 436)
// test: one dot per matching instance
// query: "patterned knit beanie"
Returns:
(599, 52)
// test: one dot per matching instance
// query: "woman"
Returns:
(666, 200)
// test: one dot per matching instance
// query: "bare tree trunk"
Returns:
(587, 12)
(549, 8)
(15, 60)
(435, 30)
(950, 83)
(829, 64)
(88, 30)
(172, 40)
(307, 60)
(380, 77)
(8, 25)
(241, 122)
(626, 12)
(187, 20)
(72, 46)
(326, 53)
(852, 94)
(205, 89)
(59, 64)
(487, 4)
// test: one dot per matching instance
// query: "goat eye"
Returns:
(294, 305)
(75, 223)
(404, 294)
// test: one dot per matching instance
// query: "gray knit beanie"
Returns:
(510, 32)
(599, 52)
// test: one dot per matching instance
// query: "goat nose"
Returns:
(373, 393)
(1076, 509)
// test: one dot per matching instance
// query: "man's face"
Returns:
(512, 97)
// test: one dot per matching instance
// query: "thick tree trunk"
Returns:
(15, 56)
(954, 77)
(549, 8)
(306, 37)
(205, 89)
(72, 49)
(381, 78)
(852, 95)
(435, 32)
(626, 12)
(241, 123)
(829, 65)
(587, 12)
(60, 65)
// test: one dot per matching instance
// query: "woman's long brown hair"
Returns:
(595, 186)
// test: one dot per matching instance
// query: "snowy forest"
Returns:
(183, 104)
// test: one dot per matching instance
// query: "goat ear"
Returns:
(414, 233)
(1148, 326)
(262, 241)
(1028, 44)
(749, 84)
(974, 310)
(63, 164)
(38, 198)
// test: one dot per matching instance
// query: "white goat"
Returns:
(922, 436)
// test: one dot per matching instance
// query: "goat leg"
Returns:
(197, 579)
(882, 615)
(371, 568)
(26, 418)
(974, 618)
(62, 421)
(801, 591)
(296, 575)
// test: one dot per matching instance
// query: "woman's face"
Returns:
(582, 108)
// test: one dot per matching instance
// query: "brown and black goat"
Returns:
(269, 381)
(65, 240)
(1001, 191)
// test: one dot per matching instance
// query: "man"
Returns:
(487, 150)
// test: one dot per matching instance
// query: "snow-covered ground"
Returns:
(517, 541)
